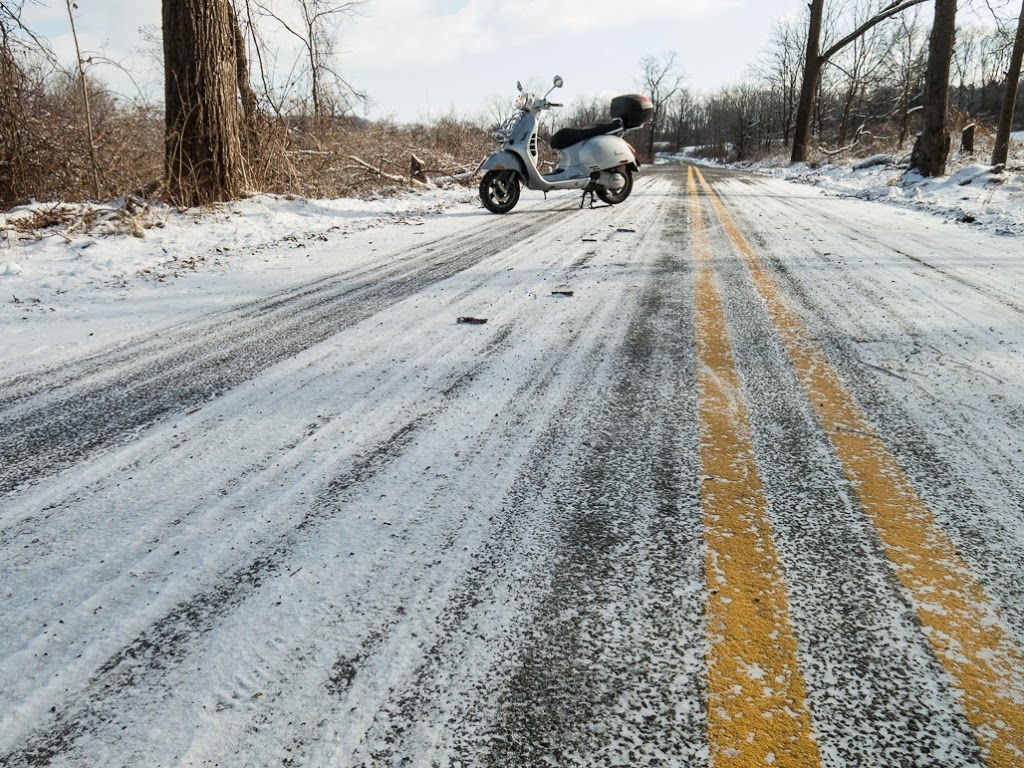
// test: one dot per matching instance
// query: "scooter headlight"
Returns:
(523, 100)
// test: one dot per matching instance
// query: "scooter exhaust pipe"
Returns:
(612, 181)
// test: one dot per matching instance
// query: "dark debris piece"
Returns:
(563, 293)
(472, 320)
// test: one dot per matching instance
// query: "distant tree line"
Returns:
(868, 84)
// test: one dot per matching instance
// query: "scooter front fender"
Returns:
(505, 161)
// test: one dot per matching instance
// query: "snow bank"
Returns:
(65, 285)
(86, 247)
(972, 194)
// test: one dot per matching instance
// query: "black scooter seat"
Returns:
(569, 136)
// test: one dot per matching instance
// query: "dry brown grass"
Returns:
(127, 216)
(290, 156)
(321, 158)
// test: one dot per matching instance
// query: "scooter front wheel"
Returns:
(614, 197)
(499, 191)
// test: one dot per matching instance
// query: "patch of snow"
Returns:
(68, 286)
(973, 194)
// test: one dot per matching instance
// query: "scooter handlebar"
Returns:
(553, 104)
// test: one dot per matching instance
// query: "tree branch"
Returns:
(894, 8)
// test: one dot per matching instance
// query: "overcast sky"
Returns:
(422, 58)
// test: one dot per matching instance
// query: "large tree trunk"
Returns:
(812, 75)
(932, 148)
(1002, 149)
(203, 147)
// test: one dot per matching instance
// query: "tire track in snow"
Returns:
(606, 663)
(386, 709)
(142, 664)
(434, 693)
(856, 234)
(166, 643)
(614, 673)
(44, 432)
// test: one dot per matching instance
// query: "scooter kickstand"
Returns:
(584, 200)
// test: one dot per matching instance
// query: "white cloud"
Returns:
(543, 17)
(401, 33)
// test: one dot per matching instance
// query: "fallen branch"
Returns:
(856, 140)
(871, 162)
(417, 170)
(463, 175)
(384, 174)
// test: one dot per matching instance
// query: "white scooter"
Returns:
(595, 158)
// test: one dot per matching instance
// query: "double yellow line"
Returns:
(757, 711)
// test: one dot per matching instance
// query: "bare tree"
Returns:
(203, 159)
(858, 64)
(18, 44)
(907, 60)
(682, 114)
(994, 55)
(815, 59)
(316, 32)
(1005, 125)
(782, 70)
(742, 120)
(661, 79)
(965, 64)
(811, 79)
(250, 104)
(90, 133)
(932, 147)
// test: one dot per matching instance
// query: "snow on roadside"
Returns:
(65, 286)
(55, 261)
(971, 194)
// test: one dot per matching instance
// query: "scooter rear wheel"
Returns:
(499, 191)
(614, 197)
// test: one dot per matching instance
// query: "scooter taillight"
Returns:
(631, 148)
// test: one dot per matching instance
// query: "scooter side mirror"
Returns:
(519, 86)
(559, 82)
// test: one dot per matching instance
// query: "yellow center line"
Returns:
(971, 641)
(757, 713)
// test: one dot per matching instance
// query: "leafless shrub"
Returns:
(307, 158)
(315, 158)
(127, 216)
(304, 149)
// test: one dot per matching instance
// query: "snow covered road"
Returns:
(753, 494)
